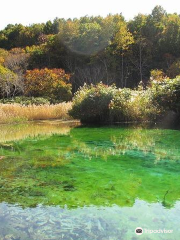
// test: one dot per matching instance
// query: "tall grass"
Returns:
(17, 113)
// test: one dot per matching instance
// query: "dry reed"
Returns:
(17, 113)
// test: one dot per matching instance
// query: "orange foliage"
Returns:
(53, 83)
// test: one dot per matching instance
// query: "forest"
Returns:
(51, 60)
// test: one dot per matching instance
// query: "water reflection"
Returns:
(14, 132)
(154, 144)
(88, 183)
(103, 223)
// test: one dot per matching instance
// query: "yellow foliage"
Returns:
(1, 60)
(16, 112)
(157, 74)
(123, 37)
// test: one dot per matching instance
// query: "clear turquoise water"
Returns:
(67, 182)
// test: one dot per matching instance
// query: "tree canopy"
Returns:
(93, 49)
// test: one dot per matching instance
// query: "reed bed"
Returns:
(17, 113)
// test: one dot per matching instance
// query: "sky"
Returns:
(27, 12)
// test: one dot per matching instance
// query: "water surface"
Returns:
(63, 181)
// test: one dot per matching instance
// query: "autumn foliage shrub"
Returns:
(51, 83)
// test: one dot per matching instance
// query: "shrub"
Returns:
(26, 100)
(157, 74)
(52, 83)
(166, 94)
(133, 105)
(100, 103)
(119, 106)
(91, 103)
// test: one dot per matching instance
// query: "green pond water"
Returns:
(65, 181)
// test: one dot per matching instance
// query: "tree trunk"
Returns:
(122, 70)
(140, 61)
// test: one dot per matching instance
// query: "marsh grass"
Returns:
(10, 113)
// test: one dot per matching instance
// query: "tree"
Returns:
(158, 13)
(17, 60)
(123, 39)
(142, 48)
(10, 84)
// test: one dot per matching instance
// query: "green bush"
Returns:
(133, 105)
(26, 100)
(166, 94)
(119, 109)
(100, 103)
(91, 103)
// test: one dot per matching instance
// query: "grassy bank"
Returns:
(10, 113)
